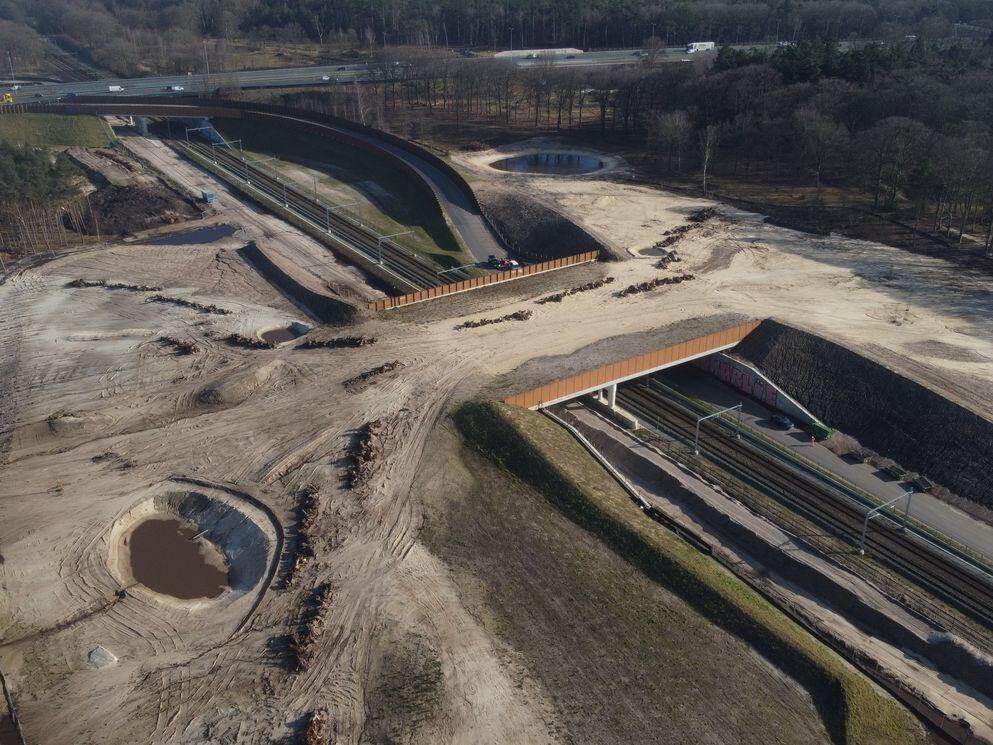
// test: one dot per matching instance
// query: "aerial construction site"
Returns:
(314, 433)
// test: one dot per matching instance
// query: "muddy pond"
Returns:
(560, 164)
(168, 557)
(193, 237)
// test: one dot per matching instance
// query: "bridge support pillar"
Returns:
(141, 124)
(612, 396)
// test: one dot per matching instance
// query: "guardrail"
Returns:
(476, 282)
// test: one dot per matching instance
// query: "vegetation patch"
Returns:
(548, 459)
(366, 453)
(182, 346)
(306, 638)
(308, 510)
(669, 257)
(77, 283)
(248, 342)
(54, 130)
(362, 381)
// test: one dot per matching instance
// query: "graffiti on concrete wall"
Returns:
(742, 379)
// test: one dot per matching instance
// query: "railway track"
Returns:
(398, 261)
(942, 575)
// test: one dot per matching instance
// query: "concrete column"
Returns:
(141, 124)
(612, 396)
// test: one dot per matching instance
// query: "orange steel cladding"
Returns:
(630, 367)
(489, 279)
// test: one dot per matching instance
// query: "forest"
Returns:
(890, 102)
(164, 35)
(902, 129)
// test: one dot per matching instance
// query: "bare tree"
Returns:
(708, 143)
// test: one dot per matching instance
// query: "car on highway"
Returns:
(326, 78)
(782, 421)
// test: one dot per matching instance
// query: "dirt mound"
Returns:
(891, 414)
(653, 284)
(117, 210)
(363, 380)
(532, 228)
(520, 315)
(558, 297)
(338, 342)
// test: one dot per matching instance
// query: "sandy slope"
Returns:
(87, 378)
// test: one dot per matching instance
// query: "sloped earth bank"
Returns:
(96, 410)
(615, 651)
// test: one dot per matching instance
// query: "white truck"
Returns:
(700, 46)
(115, 88)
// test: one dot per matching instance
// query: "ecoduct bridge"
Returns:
(607, 377)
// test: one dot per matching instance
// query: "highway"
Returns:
(199, 83)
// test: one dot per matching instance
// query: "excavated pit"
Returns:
(186, 546)
(283, 334)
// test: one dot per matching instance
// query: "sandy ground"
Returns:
(85, 376)
(269, 232)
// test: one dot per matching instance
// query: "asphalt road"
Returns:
(296, 76)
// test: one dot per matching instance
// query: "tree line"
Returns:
(165, 35)
(910, 127)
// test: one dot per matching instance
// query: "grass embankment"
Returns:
(380, 194)
(53, 130)
(547, 458)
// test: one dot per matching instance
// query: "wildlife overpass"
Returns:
(606, 377)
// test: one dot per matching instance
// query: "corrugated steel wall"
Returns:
(634, 366)
(489, 279)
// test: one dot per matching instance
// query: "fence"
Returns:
(616, 372)
(490, 279)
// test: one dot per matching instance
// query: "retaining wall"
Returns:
(752, 382)
(895, 416)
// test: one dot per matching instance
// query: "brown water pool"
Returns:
(165, 558)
